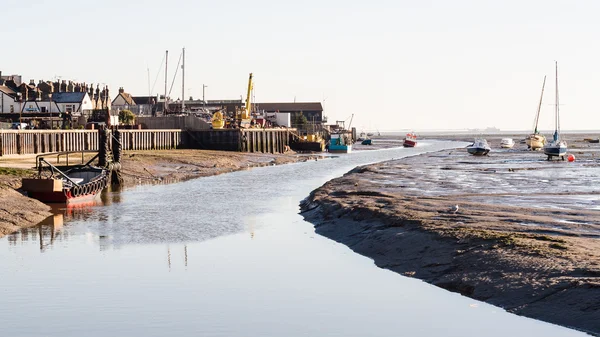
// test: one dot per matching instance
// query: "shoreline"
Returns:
(505, 246)
(138, 168)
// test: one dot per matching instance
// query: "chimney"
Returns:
(63, 86)
(32, 82)
(24, 92)
(121, 90)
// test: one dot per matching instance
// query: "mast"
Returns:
(166, 63)
(537, 116)
(183, 81)
(556, 129)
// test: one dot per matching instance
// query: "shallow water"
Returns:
(224, 256)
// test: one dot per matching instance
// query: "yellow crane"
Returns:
(245, 116)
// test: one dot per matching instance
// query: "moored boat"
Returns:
(507, 143)
(479, 147)
(536, 141)
(340, 143)
(76, 184)
(558, 147)
(410, 140)
(309, 142)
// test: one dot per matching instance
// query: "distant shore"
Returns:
(525, 236)
(138, 167)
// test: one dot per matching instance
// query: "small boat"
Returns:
(558, 147)
(410, 140)
(309, 142)
(78, 183)
(479, 147)
(592, 140)
(507, 143)
(536, 141)
(340, 143)
(366, 141)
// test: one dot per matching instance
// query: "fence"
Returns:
(20, 142)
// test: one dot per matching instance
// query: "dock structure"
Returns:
(22, 142)
(241, 140)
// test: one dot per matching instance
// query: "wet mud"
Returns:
(511, 229)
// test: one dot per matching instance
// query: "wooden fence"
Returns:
(20, 142)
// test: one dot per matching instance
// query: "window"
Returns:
(69, 108)
(43, 109)
(12, 109)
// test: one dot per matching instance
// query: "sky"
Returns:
(394, 65)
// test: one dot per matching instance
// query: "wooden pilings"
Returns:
(242, 140)
(18, 142)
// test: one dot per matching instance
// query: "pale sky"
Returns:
(393, 64)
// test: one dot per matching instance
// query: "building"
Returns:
(313, 111)
(9, 100)
(145, 105)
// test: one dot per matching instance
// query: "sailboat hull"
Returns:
(555, 150)
(536, 142)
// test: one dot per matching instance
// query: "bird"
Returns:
(453, 209)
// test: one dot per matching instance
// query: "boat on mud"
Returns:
(367, 142)
(340, 143)
(558, 147)
(74, 184)
(479, 147)
(311, 142)
(507, 143)
(410, 140)
(536, 141)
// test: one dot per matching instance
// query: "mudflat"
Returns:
(511, 229)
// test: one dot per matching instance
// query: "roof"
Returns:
(68, 97)
(127, 97)
(7, 90)
(144, 99)
(290, 107)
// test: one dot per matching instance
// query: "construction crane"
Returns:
(245, 115)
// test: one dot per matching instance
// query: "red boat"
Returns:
(77, 184)
(410, 140)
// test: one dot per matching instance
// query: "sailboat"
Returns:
(536, 141)
(558, 147)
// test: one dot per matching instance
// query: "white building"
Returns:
(75, 103)
(8, 100)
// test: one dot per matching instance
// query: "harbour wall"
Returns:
(27, 142)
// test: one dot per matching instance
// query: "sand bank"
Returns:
(525, 236)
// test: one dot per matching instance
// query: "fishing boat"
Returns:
(507, 143)
(340, 143)
(536, 141)
(79, 183)
(341, 139)
(479, 147)
(410, 140)
(558, 147)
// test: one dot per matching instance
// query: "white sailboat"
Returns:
(536, 141)
(558, 147)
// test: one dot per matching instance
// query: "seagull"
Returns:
(453, 209)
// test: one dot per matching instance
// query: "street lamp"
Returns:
(203, 100)
(50, 108)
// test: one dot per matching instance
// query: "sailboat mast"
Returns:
(166, 63)
(556, 120)
(537, 116)
(183, 81)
